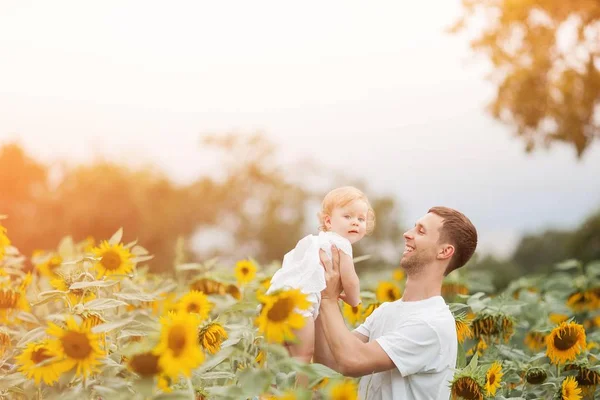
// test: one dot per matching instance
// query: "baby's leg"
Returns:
(304, 348)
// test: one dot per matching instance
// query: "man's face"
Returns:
(421, 243)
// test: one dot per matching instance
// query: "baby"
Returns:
(345, 217)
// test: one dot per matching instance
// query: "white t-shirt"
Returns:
(420, 338)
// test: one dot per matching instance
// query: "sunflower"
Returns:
(449, 290)
(211, 336)
(493, 377)
(178, 348)
(466, 387)
(278, 316)
(234, 291)
(346, 390)
(12, 300)
(77, 346)
(536, 375)
(164, 383)
(321, 384)
(265, 284)
(114, 259)
(145, 364)
(480, 347)
(4, 241)
(565, 342)
(535, 340)
(88, 244)
(387, 291)
(75, 296)
(557, 319)
(197, 303)
(370, 308)
(463, 328)
(36, 362)
(570, 389)
(208, 286)
(493, 325)
(50, 266)
(245, 271)
(398, 274)
(211, 286)
(260, 358)
(580, 301)
(353, 314)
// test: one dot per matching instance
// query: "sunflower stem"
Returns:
(191, 388)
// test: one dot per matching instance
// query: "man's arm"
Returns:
(322, 354)
(352, 356)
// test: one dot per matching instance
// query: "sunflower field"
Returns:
(88, 320)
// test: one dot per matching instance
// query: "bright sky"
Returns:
(378, 89)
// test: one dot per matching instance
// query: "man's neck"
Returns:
(422, 286)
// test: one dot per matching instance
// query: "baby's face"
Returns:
(349, 221)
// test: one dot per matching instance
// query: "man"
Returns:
(407, 348)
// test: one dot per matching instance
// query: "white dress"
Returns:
(302, 269)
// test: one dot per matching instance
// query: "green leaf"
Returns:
(255, 382)
(461, 359)
(103, 304)
(567, 265)
(87, 284)
(109, 326)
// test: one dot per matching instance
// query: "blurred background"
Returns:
(217, 127)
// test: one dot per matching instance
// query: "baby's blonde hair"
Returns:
(341, 197)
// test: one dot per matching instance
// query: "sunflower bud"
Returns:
(536, 376)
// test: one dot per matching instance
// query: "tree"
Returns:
(539, 253)
(584, 243)
(24, 193)
(545, 55)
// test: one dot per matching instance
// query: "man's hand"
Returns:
(332, 274)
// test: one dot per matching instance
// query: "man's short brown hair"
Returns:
(460, 232)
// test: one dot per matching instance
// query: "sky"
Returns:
(380, 90)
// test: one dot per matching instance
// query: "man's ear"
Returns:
(446, 252)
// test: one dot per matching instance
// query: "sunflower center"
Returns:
(177, 340)
(193, 308)
(281, 310)
(111, 260)
(565, 341)
(9, 299)
(492, 379)
(391, 294)
(76, 345)
(145, 364)
(355, 310)
(245, 270)
(40, 355)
